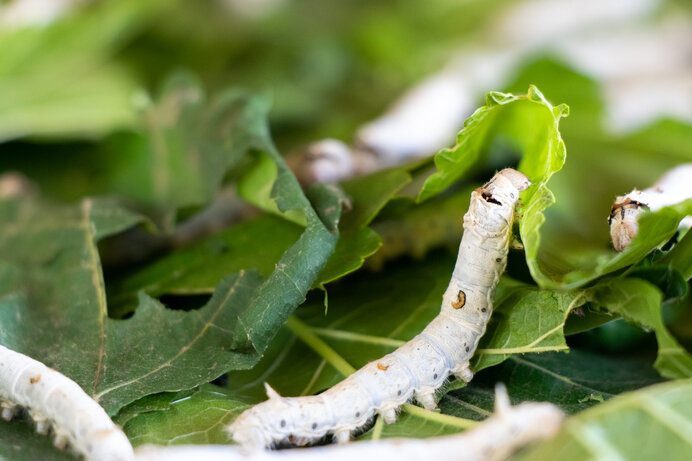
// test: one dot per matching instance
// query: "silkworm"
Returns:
(419, 367)
(673, 187)
(57, 403)
(508, 429)
(328, 160)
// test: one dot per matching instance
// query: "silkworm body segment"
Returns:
(58, 404)
(508, 429)
(419, 367)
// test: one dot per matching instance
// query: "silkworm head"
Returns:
(518, 179)
(623, 221)
(498, 198)
(504, 188)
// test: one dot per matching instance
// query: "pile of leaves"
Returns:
(203, 270)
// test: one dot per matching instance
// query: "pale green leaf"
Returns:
(529, 123)
(187, 144)
(61, 80)
(652, 423)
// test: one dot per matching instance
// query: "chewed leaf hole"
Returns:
(184, 303)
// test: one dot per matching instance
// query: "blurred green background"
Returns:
(74, 81)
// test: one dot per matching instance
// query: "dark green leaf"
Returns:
(640, 302)
(369, 194)
(54, 308)
(14, 446)
(187, 144)
(407, 228)
(349, 255)
(256, 244)
(259, 243)
(196, 419)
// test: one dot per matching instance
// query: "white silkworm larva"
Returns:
(507, 430)
(422, 365)
(673, 187)
(57, 403)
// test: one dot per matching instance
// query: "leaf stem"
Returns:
(377, 430)
(521, 350)
(306, 334)
(357, 337)
(447, 420)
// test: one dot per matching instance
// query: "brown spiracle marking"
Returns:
(461, 300)
(382, 367)
(622, 206)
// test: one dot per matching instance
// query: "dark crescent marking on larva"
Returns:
(622, 206)
(488, 197)
(461, 300)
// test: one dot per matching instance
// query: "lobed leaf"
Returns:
(187, 144)
(53, 303)
(258, 243)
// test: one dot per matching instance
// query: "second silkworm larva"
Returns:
(508, 429)
(419, 367)
(58, 404)
(673, 187)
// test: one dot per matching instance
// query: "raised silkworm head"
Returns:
(518, 179)
(623, 221)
